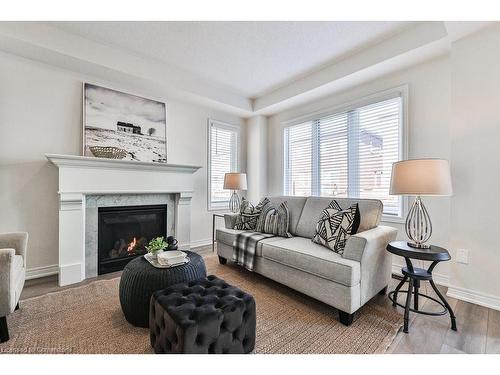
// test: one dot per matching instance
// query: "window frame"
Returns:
(399, 91)
(220, 205)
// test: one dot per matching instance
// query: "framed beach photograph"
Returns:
(123, 126)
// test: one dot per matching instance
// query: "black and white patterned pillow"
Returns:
(336, 225)
(274, 220)
(247, 219)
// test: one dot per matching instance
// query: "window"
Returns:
(223, 149)
(347, 153)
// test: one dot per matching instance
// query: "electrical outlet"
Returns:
(462, 256)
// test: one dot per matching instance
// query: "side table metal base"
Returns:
(414, 276)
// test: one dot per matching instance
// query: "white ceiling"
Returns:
(250, 58)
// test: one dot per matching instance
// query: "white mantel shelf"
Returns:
(88, 175)
(80, 176)
(90, 162)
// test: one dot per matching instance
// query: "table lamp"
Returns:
(420, 177)
(235, 181)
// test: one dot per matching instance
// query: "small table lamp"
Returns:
(235, 181)
(420, 177)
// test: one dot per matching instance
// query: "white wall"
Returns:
(256, 157)
(41, 112)
(475, 151)
(428, 132)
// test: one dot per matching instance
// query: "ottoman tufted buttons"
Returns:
(212, 319)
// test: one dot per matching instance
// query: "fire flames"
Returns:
(131, 246)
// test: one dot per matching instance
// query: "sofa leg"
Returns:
(222, 260)
(17, 307)
(4, 331)
(345, 318)
(383, 292)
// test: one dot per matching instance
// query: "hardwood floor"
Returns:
(478, 327)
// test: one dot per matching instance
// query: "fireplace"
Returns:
(124, 232)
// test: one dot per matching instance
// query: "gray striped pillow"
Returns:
(274, 220)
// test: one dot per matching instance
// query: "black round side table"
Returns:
(414, 275)
(140, 280)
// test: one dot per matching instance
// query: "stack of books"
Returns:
(172, 258)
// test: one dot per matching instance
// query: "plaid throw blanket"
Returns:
(244, 247)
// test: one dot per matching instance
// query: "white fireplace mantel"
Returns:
(80, 176)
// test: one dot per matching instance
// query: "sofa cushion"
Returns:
(301, 253)
(17, 265)
(369, 209)
(227, 237)
(295, 206)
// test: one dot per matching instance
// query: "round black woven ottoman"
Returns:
(140, 279)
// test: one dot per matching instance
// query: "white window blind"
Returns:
(223, 158)
(333, 155)
(298, 159)
(378, 148)
(346, 154)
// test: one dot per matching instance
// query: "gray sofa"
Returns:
(345, 281)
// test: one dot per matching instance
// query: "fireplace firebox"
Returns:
(124, 232)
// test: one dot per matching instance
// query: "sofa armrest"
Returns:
(369, 240)
(230, 220)
(6, 287)
(17, 241)
(369, 248)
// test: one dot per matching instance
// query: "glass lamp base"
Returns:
(234, 202)
(418, 225)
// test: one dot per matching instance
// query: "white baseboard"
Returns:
(439, 279)
(71, 274)
(473, 296)
(198, 243)
(37, 272)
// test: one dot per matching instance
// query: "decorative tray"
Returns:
(154, 262)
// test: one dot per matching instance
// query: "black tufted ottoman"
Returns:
(140, 279)
(202, 316)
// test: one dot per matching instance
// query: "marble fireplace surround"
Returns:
(92, 204)
(86, 182)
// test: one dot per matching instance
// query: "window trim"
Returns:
(401, 91)
(222, 205)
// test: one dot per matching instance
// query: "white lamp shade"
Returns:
(235, 181)
(421, 177)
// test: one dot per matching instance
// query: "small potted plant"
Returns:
(156, 245)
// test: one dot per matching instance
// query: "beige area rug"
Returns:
(88, 319)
